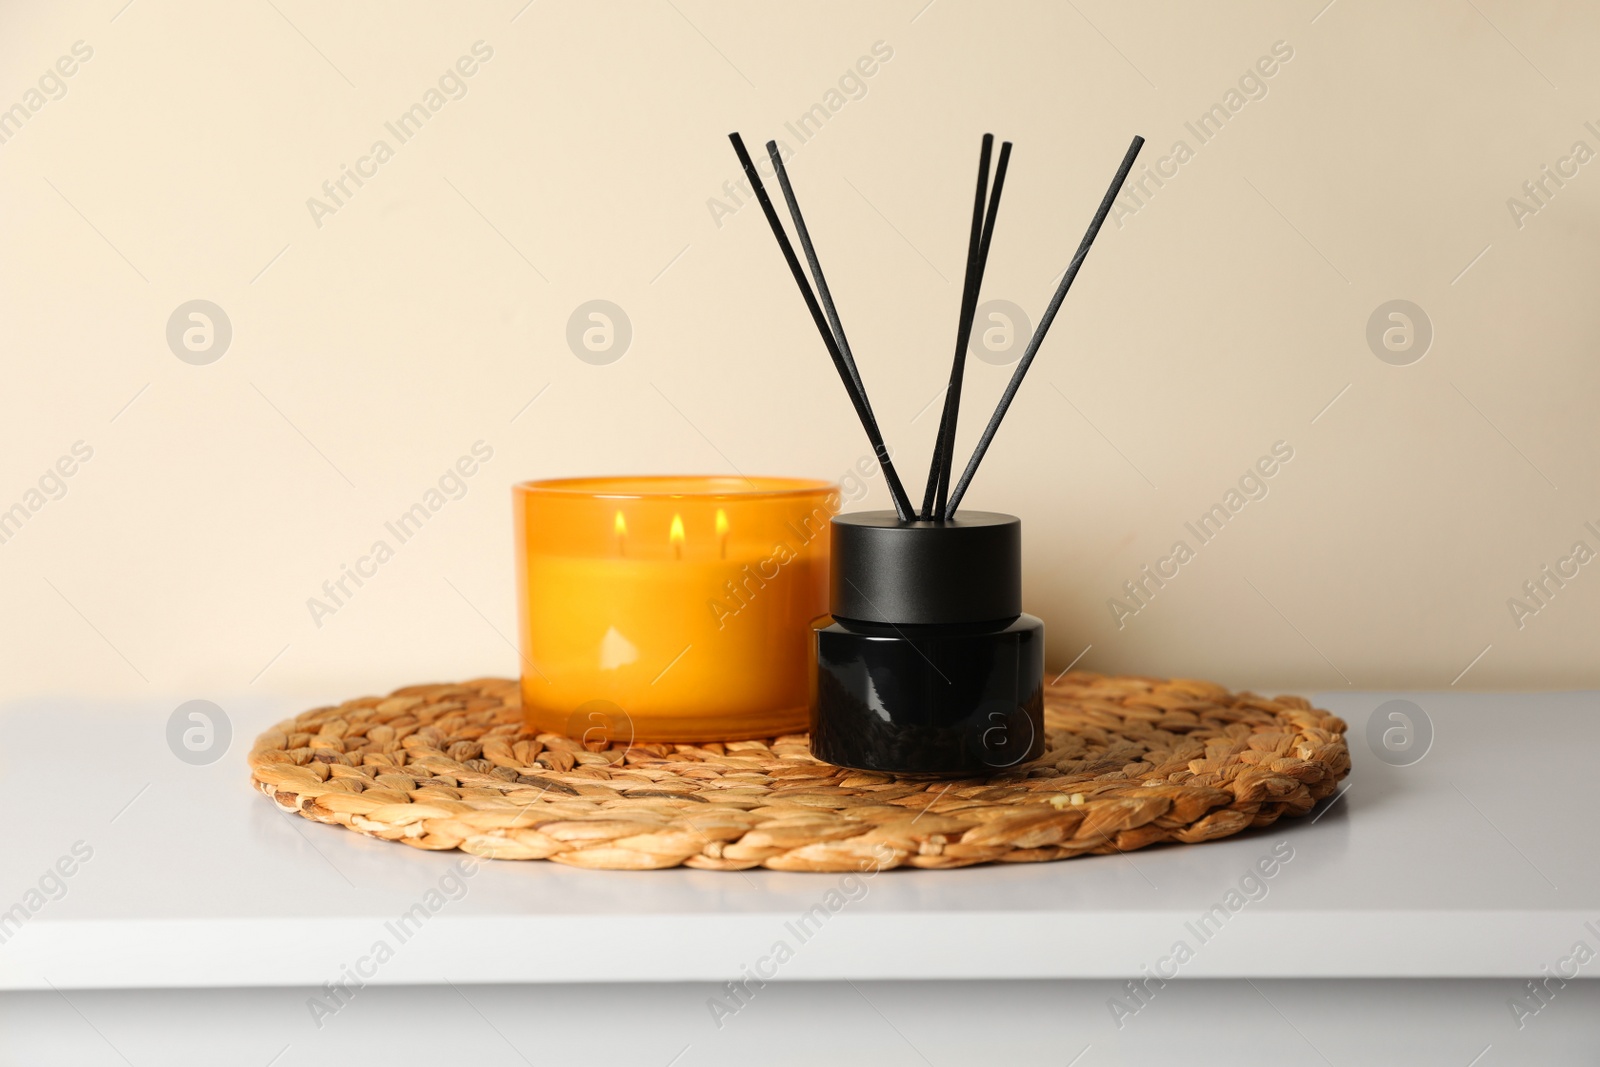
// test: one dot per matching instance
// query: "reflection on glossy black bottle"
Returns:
(939, 699)
(927, 664)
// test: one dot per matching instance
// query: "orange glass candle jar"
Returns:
(670, 608)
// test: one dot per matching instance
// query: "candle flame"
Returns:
(675, 536)
(722, 532)
(620, 524)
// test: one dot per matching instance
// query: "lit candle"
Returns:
(700, 636)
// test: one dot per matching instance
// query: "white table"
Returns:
(1407, 915)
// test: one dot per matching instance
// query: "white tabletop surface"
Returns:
(1478, 860)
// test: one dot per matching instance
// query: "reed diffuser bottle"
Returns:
(926, 664)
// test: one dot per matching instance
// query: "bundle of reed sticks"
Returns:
(939, 500)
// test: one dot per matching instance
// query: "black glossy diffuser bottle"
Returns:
(927, 664)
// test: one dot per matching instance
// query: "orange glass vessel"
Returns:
(670, 608)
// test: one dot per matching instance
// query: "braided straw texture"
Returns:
(1130, 762)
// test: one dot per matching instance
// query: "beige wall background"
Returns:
(1221, 313)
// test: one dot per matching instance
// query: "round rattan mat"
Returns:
(1130, 762)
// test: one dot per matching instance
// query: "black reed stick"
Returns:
(953, 396)
(897, 491)
(963, 326)
(1044, 326)
(858, 400)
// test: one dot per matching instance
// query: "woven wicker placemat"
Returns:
(1130, 762)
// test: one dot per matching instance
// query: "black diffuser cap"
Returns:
(968, 569)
